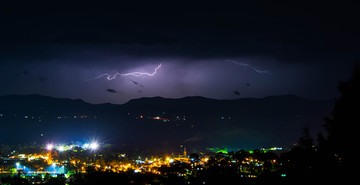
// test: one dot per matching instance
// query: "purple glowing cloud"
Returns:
(135, 74)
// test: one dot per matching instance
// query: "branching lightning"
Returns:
(249, 66)
(135, 74)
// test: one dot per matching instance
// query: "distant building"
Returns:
(182, 157)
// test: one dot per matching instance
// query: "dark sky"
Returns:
(222, 51)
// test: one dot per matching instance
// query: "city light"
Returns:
(139, 164)
(86, 146)
(94, 145)
(61, 148)
(49, 147)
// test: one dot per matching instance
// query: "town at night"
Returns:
(71, 163)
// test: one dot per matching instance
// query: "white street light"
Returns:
(49, 147)
(94, 145)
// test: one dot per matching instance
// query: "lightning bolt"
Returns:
(136, 74)
(249, 66)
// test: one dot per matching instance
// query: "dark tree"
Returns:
(332, 161)
(299, 163)
(336, 151)
(342, 126)
(306, 141)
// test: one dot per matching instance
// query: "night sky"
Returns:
(221, 51)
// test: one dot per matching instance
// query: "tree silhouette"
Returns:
(336, 150)
(306, 141)
(300, 161)
(332, 161)
(342, 125)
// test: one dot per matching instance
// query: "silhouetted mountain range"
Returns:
(161, 123)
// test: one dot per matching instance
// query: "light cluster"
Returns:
(87, 146)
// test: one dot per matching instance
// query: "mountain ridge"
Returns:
(163, 123)
(155, 97)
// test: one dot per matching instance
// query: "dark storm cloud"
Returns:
(288, 32)
(111, 90)
(54, 30)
